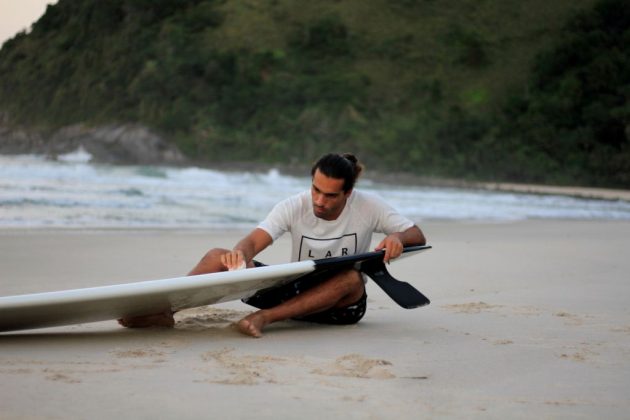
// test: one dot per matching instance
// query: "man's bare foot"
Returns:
(164, 319)
(252, 324)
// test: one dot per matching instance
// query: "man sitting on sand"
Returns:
(332, 220)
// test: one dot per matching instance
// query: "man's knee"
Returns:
(210, 262)
(354, 283)
(214, 254)
(353, 277)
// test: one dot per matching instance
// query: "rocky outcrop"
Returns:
(122, 144)
(17, 140)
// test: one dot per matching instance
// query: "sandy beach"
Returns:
(528, 319)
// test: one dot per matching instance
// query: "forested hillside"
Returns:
(477, 89)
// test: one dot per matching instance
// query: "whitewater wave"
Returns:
(72, 192)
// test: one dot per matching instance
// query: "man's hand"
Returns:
(393, 247)
(246, 249)
(234, 260)
(395, 242)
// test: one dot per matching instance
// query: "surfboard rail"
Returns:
(102, 303)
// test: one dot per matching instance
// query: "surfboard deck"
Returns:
(102, 303)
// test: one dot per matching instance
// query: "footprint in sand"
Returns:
(61, 377)
(622, 329)
(579, 353)
(357, 366)
(471, 308)
(242, 369)
(570, 319)
(205, 318)
(136, 353)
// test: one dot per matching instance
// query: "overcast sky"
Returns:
(17, 15)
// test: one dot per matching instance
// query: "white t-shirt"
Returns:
(349, 234)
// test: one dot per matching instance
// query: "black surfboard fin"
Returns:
(402, 293)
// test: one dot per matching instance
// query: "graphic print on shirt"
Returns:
(316, 248)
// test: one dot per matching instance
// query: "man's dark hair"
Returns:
(339, 166)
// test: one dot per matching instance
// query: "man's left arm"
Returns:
(395, 242)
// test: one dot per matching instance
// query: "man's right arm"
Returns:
(247, 248)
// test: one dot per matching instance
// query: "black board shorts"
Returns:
(269, 298)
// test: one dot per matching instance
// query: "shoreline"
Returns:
(229, 231)
(591, 193)
(406, 179)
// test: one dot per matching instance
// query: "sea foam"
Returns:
(72, 192)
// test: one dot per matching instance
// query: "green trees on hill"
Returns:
(575, 121)
(483, 91)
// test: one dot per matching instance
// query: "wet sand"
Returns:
(528, 320)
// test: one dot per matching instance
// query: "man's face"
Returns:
(328, 196)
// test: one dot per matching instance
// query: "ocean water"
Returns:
(71, 192)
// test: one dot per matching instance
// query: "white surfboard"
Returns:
(76, 306)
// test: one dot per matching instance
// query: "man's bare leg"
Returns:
(339, 291)
(210, 263)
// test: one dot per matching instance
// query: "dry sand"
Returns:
(528, 320)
